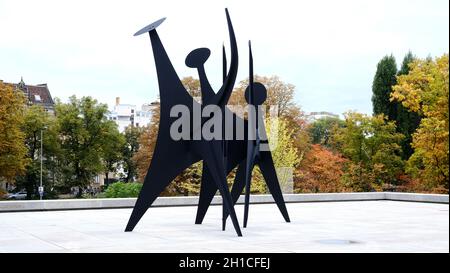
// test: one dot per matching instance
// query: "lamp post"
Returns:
(41, 188)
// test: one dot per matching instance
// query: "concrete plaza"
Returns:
(353, 226)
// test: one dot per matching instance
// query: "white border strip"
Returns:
(109, 203)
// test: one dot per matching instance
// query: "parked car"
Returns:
(21, 195)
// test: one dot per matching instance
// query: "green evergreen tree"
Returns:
(385, 78)
(404, 69)
(407, 121)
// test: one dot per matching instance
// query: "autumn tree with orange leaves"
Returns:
(321, 171)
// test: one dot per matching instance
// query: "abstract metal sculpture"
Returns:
(255, 95)
(220, 156)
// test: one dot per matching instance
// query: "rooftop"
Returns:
(351, 226)
(36, 94)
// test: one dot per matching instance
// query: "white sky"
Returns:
(327, 49)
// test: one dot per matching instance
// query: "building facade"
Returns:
(313, 116)
(125, 115)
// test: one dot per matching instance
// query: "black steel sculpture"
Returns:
(220, 156)
(255, 95)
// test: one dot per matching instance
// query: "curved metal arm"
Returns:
(197, 59)
(224, 93)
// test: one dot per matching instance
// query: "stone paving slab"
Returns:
(354, 226)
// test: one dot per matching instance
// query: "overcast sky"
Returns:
(327, 49)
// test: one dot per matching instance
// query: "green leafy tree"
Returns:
(113, 143)
(284, 151)
(321, 130)
(82, 128)
(13, 152)
(129, 149)
(37, 120)
(384, 80)
(284, 154)
(373, 146)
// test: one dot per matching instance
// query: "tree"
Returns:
(407, 121)
(321, 171)
(284, 154)
(37, 120)
(293, 126)
(192, 85)
(112, 148)
(188, 181)
(360, 178)
(82, 127)
(384, 80)
(13, 152)
(129, 149)
(147, 141)
(321, 130)
(425, 90)
(407, 60)
(300, 137)
(372, 144)
(279, 94)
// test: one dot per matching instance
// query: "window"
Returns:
(37, 98)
